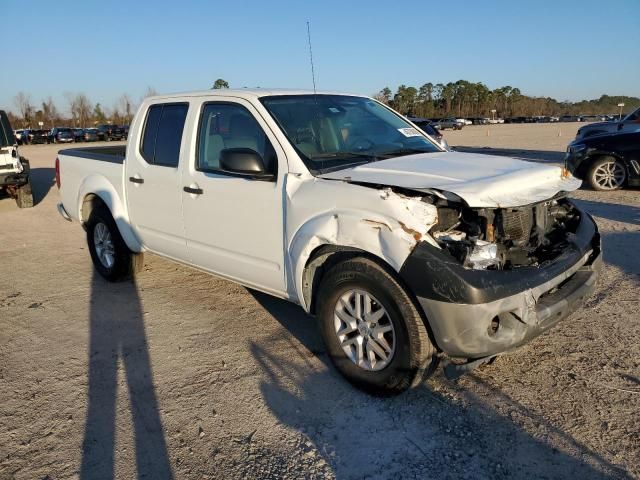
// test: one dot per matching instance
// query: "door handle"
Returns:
(136, 180)
(195, 191)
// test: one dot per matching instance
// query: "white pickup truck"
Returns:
(406, 253)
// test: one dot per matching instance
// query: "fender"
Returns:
(389, 234)
(101, 187)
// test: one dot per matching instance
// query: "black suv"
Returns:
(109, 132)
(606, 162)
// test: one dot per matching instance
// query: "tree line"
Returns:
(467, 99)
(80, 111)
(461, 99)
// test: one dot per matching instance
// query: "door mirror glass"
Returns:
(244, 161)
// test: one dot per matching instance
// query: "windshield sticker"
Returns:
(410, 132)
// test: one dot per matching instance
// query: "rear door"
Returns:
(234, 224)
(153, 180)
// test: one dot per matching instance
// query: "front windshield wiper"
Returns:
(343, 155)
(401, 151)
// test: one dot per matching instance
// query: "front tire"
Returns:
(606, 174)
(374, 334)
(110, 255)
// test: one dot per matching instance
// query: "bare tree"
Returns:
(80, 108)
(149, 92)
(125, 105)
(23, 102)
(49, 112)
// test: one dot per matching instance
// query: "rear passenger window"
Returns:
(163, 134)
(150, 131)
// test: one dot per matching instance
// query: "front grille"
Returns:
(516, 225)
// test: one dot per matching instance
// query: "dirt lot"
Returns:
(181, 375)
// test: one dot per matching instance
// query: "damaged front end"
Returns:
(494, 278)
(506, 238)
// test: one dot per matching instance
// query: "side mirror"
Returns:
(244, 161)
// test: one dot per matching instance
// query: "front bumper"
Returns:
(481, 313)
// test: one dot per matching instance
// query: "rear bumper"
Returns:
(17, 179)
(480, 313)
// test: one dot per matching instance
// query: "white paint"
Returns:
(380, 222)
(481, 180)
(261, 234)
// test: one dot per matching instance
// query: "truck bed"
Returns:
(87, 170)
(110, 153)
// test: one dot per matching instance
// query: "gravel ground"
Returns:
(181, 375)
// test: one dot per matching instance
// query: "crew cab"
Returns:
(406, 253)
(15, 176)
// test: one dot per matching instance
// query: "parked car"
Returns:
(21, 136)
(464, 121)
(125, 129)
(61, 135)
(91, 135)
(78, 134)
(630, 123)
(38, 136)
(606, 162)
(108, 132)
(15, 178)
(427, 127)
(450, 122)
(406, 253)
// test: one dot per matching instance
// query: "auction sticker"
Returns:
(410, 132)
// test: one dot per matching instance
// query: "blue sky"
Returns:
(565, 49)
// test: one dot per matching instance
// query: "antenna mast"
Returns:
(313, 73)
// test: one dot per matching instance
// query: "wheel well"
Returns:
(323, 258)
(90, 202)
(584, 168)
(319, 263)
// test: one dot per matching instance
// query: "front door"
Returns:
(234, 223)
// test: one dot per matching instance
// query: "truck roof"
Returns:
(246, 93)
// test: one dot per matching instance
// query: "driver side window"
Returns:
(226, 125)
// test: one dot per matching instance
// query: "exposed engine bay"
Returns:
(506, 238)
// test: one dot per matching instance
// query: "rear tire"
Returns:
(410, 355)
(110, 255)
(606, 174)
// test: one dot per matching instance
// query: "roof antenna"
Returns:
(313, 73)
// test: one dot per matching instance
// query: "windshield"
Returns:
(336, 131)
(633, 116)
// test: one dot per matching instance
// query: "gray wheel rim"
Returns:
(364, 329)
(609, 176)
(104, 245)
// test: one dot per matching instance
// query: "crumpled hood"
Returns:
(480, 180)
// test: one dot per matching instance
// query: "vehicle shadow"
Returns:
(117, 336)
(545, 156)
(621, 249)
(611, 211)
(438, 430)
(42, 179)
